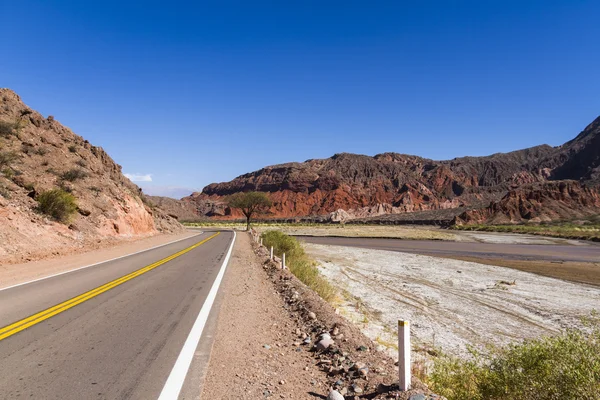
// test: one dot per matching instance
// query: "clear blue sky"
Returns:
(197, 92)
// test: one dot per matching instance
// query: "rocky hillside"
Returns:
(392, 183)
(539, 202)
(38, 154)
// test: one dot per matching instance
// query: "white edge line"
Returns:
(177, 376)
(98, 263)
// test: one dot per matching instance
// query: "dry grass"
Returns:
(299, 263)
(368, 231)
(589, 230)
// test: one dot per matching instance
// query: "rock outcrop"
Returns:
(38, 154)
(542, 202)
(350, 186)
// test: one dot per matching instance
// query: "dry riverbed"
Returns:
(450, 303)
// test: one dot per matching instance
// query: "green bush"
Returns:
(74, 174)
(299, 263)
(566, 366)
(58, 204)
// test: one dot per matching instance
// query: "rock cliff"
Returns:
(391, 183)
(38, 154)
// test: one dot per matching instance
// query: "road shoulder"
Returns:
(14, 274)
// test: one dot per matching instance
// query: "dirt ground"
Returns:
(259, 352)
(580, 272)
(12, 274)
(253, 353)
(450, 303)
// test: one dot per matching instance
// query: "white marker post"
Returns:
(404, 354)
(260, 242)
(271, 253)
(283, 261)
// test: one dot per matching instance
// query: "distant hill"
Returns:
(398, 184)
(38, 154)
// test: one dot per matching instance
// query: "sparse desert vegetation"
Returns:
(340, 230)
(58, 204)
(564, 366)
(582, 230)
(299, 263)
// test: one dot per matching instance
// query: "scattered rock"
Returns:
(324, 343)
(335, 395)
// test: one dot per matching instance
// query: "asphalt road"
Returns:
(119, 341)
(531, 252)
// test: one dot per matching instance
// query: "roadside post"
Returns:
(283, 261)
(404, 354)
(261, 242)
(271, 253)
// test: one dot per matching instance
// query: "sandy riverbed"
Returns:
(450, 303)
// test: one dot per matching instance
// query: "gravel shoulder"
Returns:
(265, 343)
(252, 352)
(13, 274)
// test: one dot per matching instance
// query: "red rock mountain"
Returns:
(38, 154)
(392, 183)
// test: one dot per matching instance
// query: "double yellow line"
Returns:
(25, 323)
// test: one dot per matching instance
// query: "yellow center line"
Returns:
(25, 323)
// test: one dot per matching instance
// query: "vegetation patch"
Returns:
(57, 204)
(566, 366)
(7, 158)
(299, 263)
(74, 174)
(583, 230)
(7, 129)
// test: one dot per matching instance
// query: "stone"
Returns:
(324, 344)
(335, 395)
(356, 389)
(312, 316)
(266, 346)
(418, 396)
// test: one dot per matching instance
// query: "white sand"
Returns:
(450, 303)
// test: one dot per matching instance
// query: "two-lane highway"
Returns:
(114, 330)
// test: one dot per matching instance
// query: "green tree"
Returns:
(250, 203)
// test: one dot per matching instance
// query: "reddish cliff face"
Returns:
(404, 183)
(38, 154)
(549, 201)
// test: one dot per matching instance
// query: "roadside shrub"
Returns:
(566, 366)
(283, 243)
(299, 263)
(81, 163)
(57, 204)
(74, 174)
(73, 148)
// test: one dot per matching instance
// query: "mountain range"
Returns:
(541, 183)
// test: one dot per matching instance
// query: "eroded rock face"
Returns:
(391, 183)
(542, 202)
(47, 155)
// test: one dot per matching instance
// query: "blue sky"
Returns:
(188, 93)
